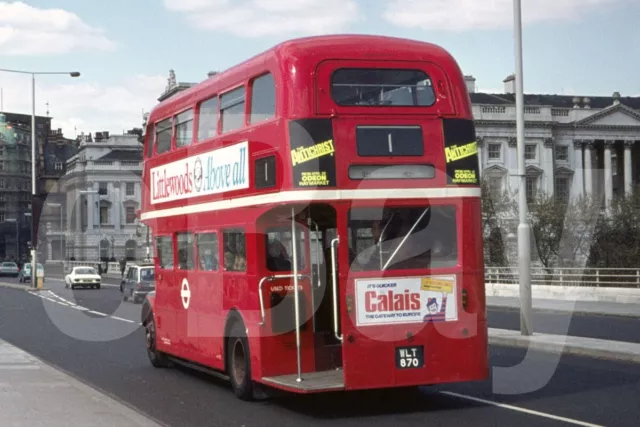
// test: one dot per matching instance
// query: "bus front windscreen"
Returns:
(403, 238)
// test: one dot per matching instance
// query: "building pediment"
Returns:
(495, 170)
(534, 170)
(616, 115)
(563, 170)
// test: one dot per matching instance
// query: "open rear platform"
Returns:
(311, 382)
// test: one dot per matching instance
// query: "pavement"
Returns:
(97, 338)
(28, 386)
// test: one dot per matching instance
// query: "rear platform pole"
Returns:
(296, 297)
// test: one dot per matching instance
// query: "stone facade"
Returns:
(103, 193)
(574, 145)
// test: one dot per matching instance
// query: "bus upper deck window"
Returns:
(382, 87)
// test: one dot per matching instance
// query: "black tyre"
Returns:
(157, 358)
(239, 363)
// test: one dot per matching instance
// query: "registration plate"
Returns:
(409, 357)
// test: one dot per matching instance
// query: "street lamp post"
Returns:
(34, 261)
(524, 236)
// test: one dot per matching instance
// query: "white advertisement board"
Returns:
(406, 300)
(212, 172)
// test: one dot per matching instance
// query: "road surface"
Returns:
(100, 342)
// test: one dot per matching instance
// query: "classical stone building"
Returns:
(574, 144)
(103, 190)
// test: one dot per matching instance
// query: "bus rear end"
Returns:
(408, 256)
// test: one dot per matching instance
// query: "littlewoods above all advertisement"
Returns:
(215, 171)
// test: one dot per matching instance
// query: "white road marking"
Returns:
(523, 410)
(97, 312)
(124, 320)
(77, 307)
(50, 299)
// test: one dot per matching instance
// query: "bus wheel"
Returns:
(239, 363)
(157, 358)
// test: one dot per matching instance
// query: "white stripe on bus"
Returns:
(316, 196)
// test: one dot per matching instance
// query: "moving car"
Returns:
(25, 273)
(9, 268)
(82, 277)
(139, 281)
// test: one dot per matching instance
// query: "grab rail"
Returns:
(334, 274)
(271, 279)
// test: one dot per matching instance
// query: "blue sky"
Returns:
(124, 48)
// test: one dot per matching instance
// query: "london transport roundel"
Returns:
(185, 293)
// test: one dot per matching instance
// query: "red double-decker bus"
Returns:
(316, 216)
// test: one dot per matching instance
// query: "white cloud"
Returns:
(27, 30)
(464, 15)
(90, 107)
(263, 18)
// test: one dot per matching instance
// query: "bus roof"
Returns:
(352, 46)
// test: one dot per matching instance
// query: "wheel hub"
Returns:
(238, 362)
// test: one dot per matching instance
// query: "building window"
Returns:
(232, 109)
(1, 166)
(102, 188)
(58, 166)
(495, 185)
(562, 189)
(104, 215)
(235, 254)
(532, 187)
(2, 217)
(3, 197)
(1, 182)
(131, 215)
(263, 98)
(208, 119)
(185, 251)
(494, 151)
(130, 189)
(562, 153)
(530, 152)
(184, 128)
(207, 244)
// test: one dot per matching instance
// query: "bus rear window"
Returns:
(382, 87)
(403, 238)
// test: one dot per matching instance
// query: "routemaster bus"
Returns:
(316, 216)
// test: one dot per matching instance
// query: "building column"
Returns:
(588, 168)
(577, 186)
(78, 208)
(608, 173)
(480, 141)
(628, 180)
(117, 206)
(548, 167)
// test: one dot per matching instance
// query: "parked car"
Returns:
(139, 281)
(82, 276)
(9, 268)
(25, 273)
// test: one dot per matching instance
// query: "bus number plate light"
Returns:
(410, 357)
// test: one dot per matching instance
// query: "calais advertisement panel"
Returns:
(212, 172)
(406, 300)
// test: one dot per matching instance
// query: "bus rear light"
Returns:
(465, 299)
